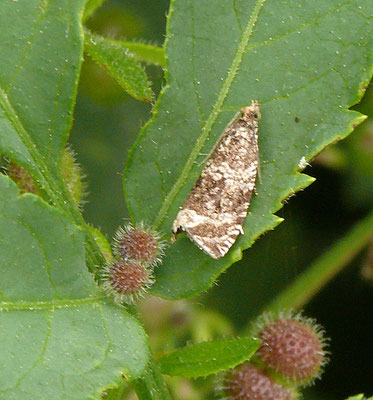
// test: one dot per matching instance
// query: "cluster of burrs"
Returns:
(137, 249)
(292, 355)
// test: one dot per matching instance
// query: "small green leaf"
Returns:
(208, 358)
(61, 338)
(120, 64)
(305, 66)
(359, 397)
(102, 242)
(152, 55)
(91, 7)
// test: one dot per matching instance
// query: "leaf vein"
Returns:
(195, 84)
(298, 89)
(19, 67)
(234, 6)
(55, 304)
(40, 358)
(299, 28)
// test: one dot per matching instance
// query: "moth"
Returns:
(215, 209)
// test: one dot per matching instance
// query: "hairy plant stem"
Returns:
(325, 267)
(152, 385)
(63, 201)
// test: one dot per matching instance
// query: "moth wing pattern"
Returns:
(215, 209)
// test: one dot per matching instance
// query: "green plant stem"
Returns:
(152, 385)
(326, 267)
(62, 199)
(94, 256)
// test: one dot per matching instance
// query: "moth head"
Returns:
(251, 112)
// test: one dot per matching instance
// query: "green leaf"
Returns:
(41, 53)
(152, 55)
(359, 397)
(102, 242)
(300, 60)
(120, 64)
(91, 7)
(61, 338)
(41, 44)
(208, 358)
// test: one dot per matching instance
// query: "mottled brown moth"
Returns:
(216, 207)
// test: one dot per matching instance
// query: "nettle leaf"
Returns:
(208, 358)
(41, 44)
(61, 338)
(116, 58)
(41, 53)
(303, 63)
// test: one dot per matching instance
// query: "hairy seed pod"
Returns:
(138, 243)
(293, 346)
(249, 382)
(126, 281)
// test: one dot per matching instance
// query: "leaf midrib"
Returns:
(216, 110)
(53, 304)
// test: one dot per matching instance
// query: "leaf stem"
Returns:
(93, 253)
(152, 385)
(325, 267)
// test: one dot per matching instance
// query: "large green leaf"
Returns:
(61, 338)
(305, 65)
(208, 358)
(41, 45)
(41, 53)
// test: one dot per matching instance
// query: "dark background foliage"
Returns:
(106, 123)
